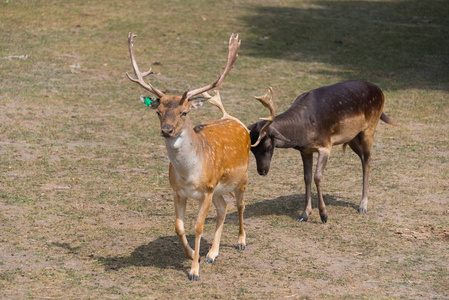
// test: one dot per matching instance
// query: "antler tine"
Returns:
(267, 101)
(216, 100)
(234, 46)
(137, 73)
(149, 72)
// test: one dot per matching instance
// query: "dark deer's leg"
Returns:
(307, 161)
(361, 145)
(363, 206)
(323, 156)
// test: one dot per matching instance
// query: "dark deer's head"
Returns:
(264, 137)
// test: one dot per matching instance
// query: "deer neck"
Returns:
(184, 150)
(292, 125)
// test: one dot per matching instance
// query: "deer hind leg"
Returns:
(361, 145)
(202, 213)
(241, 208)
(307, 160)
(220, 205)
(180, 209)
(323, 156)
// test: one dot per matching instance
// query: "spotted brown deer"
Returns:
(345, 113)
(206, 162)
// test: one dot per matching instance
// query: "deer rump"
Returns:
(344, 113)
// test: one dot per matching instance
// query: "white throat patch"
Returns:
(175, 142)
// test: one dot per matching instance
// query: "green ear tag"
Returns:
(148, 101)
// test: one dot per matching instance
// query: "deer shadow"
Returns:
(289, 205)
(164, 253)
(167, 252)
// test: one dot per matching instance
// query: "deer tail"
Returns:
(387, 119)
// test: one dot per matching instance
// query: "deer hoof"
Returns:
(209, 260)
(241, 247)
(193, 277)
(362, 210)
(324, 219)
(303, 219)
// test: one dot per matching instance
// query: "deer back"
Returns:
(226, 145)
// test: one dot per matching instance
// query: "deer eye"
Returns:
(268, 146)
(184, 114)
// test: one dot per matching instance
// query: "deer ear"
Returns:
(251, 127)
(155, 104)
(277, 135)
(256, 127)
(152, 102)
(198, 102)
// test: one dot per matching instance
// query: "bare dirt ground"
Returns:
(85, 206)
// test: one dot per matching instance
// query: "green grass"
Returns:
(85, 205)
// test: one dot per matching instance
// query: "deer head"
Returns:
(173, 110)
(264, 136)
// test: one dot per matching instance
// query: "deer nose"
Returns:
(262, 172)
(167, 130)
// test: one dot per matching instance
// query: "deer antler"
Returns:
(234, 46)
(216, 100)
(267, 101)
(138, 74)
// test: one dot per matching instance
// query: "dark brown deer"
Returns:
(206, 162)
(345, 113)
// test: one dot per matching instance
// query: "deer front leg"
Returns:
(180, 209)
(307, 160)
(323, 156)
(220, 205)
(202, 213)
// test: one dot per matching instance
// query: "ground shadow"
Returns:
(68, 247)
(167, 252)
(400, 44)
(164, 253)
(290, 205)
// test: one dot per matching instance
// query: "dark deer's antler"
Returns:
(267, 101)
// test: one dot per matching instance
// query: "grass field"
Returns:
(86, 210)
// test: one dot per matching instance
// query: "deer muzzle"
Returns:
(262, 172)
(167, 130)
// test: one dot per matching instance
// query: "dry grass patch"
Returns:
(85, 205)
